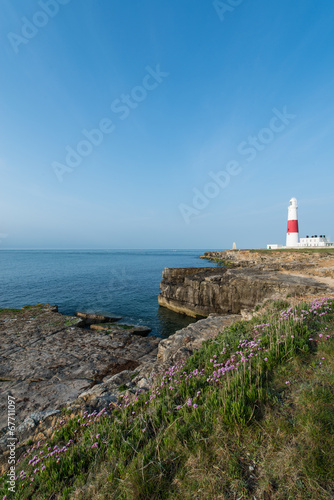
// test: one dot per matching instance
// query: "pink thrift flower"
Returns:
(287, 382)
(265, 359)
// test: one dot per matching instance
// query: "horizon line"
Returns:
(104, 249)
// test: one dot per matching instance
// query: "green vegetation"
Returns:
(248, 415)
(123, 387)
(10, 311)
(59, 322)
(220, 262)
(223, 262)
(329, 250)
(34, 306)
(71, 321)
(14, 312)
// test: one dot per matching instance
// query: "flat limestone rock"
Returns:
(90, 319)
(47, 361)
(143, 331)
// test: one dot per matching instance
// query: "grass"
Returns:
(217, 426)
(122, 387)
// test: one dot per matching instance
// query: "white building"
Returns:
(274, 246)
(315, 241)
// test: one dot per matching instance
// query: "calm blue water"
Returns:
(122, 282)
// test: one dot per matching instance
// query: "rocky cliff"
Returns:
(223, 290)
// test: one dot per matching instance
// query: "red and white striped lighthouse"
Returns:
(292, 236)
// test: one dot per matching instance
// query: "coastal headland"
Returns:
(51, 363)
(244, 279)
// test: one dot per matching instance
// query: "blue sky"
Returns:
(178, 124)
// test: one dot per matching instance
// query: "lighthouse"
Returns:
(292, 236)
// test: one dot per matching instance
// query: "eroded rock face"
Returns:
(201, 291)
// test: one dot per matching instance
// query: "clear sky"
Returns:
(164, 124)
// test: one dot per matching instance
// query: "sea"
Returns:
(119, 282)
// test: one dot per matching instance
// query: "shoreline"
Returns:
(53, 363)
(54, 368)
(109, 282)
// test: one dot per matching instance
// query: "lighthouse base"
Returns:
(292, 240)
